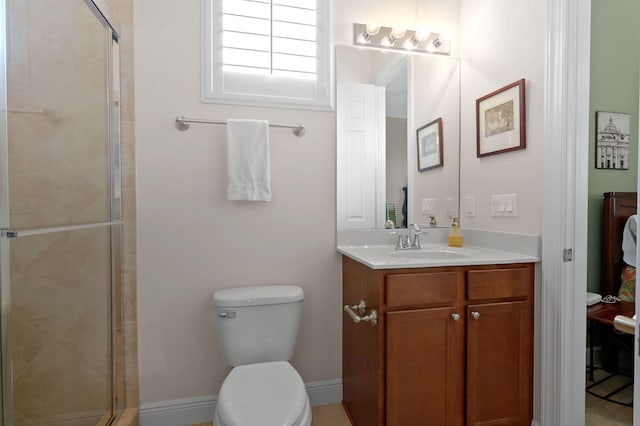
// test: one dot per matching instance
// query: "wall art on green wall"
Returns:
(612, 140)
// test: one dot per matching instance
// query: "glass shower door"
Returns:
(59, 214)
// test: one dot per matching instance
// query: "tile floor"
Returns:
(323, 415)
(603, 413)
(599, 413)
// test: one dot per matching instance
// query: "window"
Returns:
(267, 53)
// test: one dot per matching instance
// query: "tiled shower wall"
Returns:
(57, 177)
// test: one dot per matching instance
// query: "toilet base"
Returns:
(304, 420)
(263, 394)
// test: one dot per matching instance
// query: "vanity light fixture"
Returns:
(437, 42)
(397, 38)
(418, 37)
(369, 32)
(395, 34)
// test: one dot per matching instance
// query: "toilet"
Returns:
(257, 329)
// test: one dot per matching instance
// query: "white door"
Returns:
(636, 340)
(360, 131)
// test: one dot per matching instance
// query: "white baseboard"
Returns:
(324, 392)
(187, 411)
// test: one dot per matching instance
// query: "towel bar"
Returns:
(182, 123)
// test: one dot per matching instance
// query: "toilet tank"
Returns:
(257, 323)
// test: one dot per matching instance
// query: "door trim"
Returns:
(563, 292)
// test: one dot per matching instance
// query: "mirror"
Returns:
(382, 99)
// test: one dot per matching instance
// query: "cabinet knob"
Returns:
(455, 317)
(475, 315)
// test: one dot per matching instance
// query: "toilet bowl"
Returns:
(264, 394)
(257, 329)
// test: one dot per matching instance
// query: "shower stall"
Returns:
(60, 214)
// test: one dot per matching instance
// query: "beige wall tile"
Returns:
(57, 177)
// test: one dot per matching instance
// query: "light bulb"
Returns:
(398, 32)
(363, 38)
(411, 44)
(373, 29)
(421, 34)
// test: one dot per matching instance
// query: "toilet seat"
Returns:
(265, 394)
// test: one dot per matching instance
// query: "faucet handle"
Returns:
(416, 241)
(399, 243)
(403, 240)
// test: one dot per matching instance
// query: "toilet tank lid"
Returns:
(257, 295)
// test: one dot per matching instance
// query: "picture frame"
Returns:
(429, 143)
(612, 140)
(500, 120)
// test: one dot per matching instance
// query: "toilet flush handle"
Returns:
(227, 314)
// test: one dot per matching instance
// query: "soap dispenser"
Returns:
(455, 234)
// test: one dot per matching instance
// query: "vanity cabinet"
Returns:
(452, 345)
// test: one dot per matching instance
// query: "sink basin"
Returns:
(429, 254)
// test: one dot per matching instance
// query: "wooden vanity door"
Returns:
(425, 365)
(499, 364)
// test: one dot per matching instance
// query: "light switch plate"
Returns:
(428, 206)
(504, 205)
(449, 206)
(471, 206)
(511, 204)
(495, 205)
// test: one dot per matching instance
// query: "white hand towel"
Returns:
(248, 169)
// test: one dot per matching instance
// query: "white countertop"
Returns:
(431, 255)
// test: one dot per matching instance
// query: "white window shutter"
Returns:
(267, 53)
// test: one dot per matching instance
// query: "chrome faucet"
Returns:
(415, 241)
(410, 240)
(403, 240)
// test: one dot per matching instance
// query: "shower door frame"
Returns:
(102, 13)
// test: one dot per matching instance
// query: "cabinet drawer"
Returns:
(498, 283)
(421, 289)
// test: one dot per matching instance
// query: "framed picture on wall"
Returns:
(500, 120)
(612, 140)
(429, 140)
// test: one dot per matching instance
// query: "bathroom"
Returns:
(183, 239)
(181, 188)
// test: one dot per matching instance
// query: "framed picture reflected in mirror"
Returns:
(429, 140)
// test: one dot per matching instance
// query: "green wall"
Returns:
(615, 55)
